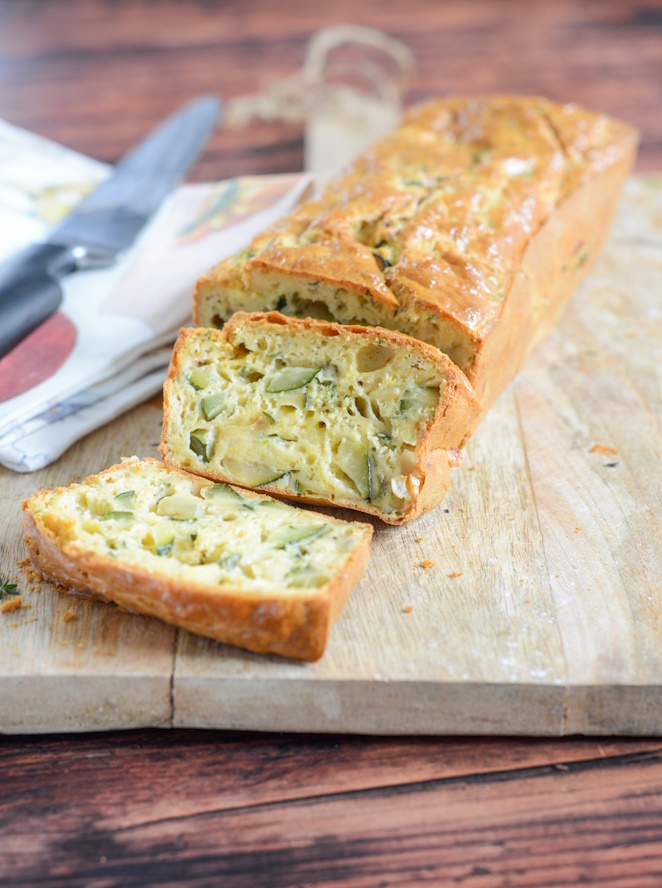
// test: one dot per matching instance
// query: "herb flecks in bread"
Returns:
(468, 228)
(351, 416)
(232, 565)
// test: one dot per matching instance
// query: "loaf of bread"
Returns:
(235, 566)
(360, 417)
(468, 228)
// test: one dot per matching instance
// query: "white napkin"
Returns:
(39, 441)
(102, 353)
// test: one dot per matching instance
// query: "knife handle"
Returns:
(30, 290)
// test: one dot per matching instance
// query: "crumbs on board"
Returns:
(12, 604)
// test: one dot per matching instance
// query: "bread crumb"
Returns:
(456, 573)
(68, 617)
(31, 620)
(419, 539)
(14, 624)
(604, 450)
(427, 564)
(578, 528)
(408, 609)
(33, 578)
(12, 604)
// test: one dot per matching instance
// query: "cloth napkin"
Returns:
(106, 350)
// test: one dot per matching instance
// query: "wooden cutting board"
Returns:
(539, 610)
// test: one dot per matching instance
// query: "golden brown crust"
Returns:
(553, 265)
(456, 413)
(293, 624)
(489, 211)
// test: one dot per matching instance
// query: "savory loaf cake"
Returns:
(468, 228)
(238, 567)
(347, 416)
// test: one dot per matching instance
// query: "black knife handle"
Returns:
(29, 290)
(29, 286)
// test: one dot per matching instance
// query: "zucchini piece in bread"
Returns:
(364, 418)
(235, 566)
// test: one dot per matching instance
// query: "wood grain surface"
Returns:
(201, 808)
(205, 809)
(96, 74)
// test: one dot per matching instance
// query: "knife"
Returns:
(105, 223)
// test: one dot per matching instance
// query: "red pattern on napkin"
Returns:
(37, 357)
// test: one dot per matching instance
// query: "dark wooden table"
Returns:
(194, 808)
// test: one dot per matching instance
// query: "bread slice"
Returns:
(468, 228)
(359, 417)
(235, 566)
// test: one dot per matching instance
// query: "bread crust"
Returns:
(293, 624)
(497, 279)
(551, 269)
(455, 414)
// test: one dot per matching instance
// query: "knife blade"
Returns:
(105, 223)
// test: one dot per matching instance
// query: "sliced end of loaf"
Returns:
(234, 566)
